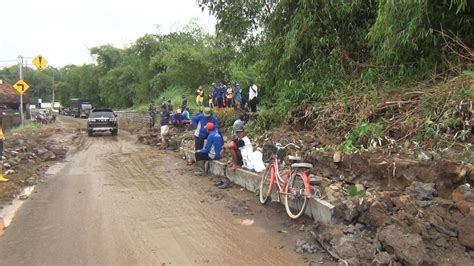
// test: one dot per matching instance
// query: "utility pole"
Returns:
(20, 65)
(52, 98)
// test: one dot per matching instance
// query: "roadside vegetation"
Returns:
(352, 71)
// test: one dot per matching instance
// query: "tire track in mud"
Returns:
(189, 231)
(117, 202)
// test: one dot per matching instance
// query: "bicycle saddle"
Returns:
(302, 165)
(293, 158)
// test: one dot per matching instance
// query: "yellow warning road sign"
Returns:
(21, 86)
(40, 62)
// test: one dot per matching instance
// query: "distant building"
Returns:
(9, 97)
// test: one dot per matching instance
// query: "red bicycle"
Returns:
(295, 187)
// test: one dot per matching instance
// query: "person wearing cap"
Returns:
(241, 148)
(240, 122)
(253, 94)
(212, 150)
(199, 121)
(177, 119)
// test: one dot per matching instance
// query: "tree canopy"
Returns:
(296, 50)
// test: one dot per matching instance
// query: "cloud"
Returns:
(61, 31)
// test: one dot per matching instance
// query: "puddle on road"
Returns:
(9, 211)
(243, 221)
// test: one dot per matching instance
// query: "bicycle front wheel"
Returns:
(296, 199)
(266, 184)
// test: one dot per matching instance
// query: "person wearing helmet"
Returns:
(213, 148)
(199, 121)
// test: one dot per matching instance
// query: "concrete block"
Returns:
(201, 165)
(321, 211)
(2, 226)
(244, 178)
(217, 168)
(189, 155)
(318, 209)
(235, 178)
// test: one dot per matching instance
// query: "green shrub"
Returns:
(361, 134)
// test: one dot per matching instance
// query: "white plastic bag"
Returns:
(257, 161)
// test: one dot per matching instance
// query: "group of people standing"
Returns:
(228, 95)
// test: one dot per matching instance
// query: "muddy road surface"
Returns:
(117, 202)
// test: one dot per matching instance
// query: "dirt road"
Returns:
(117, 202)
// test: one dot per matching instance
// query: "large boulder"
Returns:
(463, 196)
(466, 230)
(422, 192)
(409, 248)
(45, 154)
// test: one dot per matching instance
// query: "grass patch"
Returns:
(26, 128)
(175, 94)
(361, 134)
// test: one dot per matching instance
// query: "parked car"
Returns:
(102, 120)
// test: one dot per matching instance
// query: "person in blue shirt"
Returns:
(213, 148)
(237, 95)
(165, 128)
(186, 114)
(221, 91)
(199, 121)
(177, 119)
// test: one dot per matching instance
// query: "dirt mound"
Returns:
(27, 155)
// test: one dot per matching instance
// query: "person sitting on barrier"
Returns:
(212, 150)
(241, 148)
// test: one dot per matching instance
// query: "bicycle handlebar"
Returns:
(280, 147)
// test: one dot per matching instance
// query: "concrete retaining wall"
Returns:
(320, 210)
(132, 118)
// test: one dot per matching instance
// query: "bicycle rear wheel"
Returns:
(296, 199)
(266, 184)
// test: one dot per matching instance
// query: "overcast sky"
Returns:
(63, 30)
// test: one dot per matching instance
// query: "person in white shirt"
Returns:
(241, 149)
(253, 94)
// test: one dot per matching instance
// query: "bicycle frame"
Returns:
(282, 183)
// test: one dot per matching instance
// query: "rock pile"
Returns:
(411, 227)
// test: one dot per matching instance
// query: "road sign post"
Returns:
(21, 87)
(20, 62)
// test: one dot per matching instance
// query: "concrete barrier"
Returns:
(318, 209)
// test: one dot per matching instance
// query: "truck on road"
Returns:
(80, 107)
